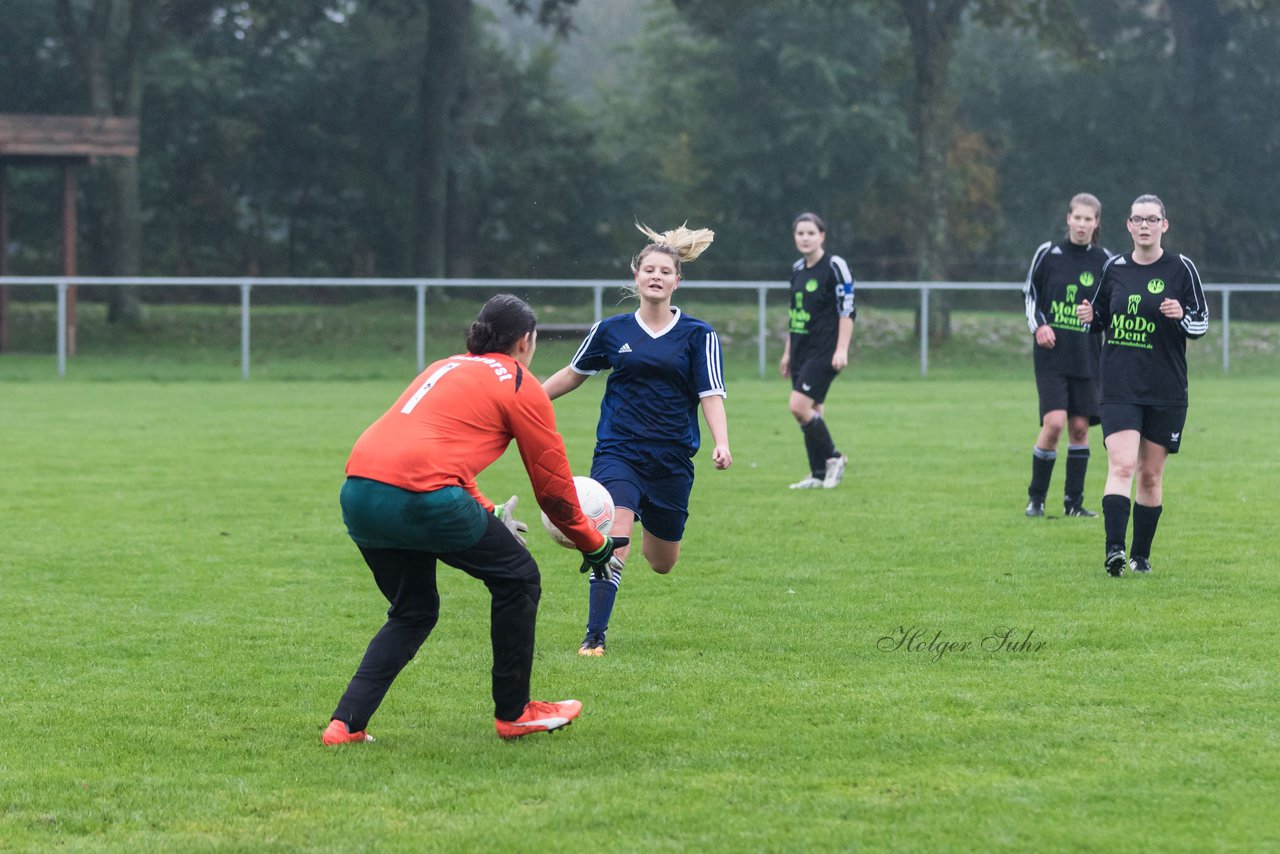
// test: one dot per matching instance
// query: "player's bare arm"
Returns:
(563, 381)
(718, 423)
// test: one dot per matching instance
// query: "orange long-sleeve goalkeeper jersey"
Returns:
(455, 419)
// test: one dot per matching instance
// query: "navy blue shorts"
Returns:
(1160, 424)
(653, 481)
(1077, 395)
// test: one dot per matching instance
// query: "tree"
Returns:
(934, 26)
(109, 48)
(446, 58)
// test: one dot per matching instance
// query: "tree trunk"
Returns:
(933, 26)
(443, 69)
(1201, 32)
(460, 230)
(124, 231)
(120, 95)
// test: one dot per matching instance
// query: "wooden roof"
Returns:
(67, 137)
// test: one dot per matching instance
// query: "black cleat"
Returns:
(1140, 564)
(592, 644)
(1077, 510)
(1035, 508)
(1115, 563)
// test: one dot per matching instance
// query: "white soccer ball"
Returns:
(597, 506)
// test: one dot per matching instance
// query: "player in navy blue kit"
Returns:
(1066, 357)
(664, 366)
(1146, 306)
(820, 315)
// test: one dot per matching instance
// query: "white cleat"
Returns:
(835, 471)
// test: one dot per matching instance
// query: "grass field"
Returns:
(182, 610)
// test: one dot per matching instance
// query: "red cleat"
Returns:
(337, 733)
(539, 717)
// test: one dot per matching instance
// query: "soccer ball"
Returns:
(597, 506)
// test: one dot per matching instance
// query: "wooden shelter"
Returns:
(63, 142)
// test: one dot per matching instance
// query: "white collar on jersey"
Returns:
(675, 318)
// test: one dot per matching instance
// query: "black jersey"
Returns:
(820, 296)
(1060, 276)
(1144, 353)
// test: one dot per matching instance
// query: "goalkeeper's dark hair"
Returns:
(503, 321)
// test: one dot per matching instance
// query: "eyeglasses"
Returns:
(1149, 220)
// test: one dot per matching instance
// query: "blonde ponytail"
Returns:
(688, 243)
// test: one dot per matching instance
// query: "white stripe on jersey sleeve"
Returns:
(1195, 320)
(582, 349)
(1034, 318)
(844, 286)
(715, 371)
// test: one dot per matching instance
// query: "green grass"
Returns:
(182, 610)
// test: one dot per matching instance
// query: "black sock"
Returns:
(1041, 470)
(1115, 518)
(1145, 520)
(818, 445)
(1077, 465)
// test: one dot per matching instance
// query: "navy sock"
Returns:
(1041, 470)
(1145, 520)
(1115, 518)
(600, 602)
(1077, 465)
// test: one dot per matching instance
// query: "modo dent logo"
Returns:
(1071, 293)
(1135, 300)
(1156, 286)
(1086, 279)
(811, 285)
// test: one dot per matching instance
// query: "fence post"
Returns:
(924, 332)
(764, 331)
(422, 327)
(1226, 330)
(62, 329)
(597, 302)
(244, 330)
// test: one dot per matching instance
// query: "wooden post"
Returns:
(69, 250)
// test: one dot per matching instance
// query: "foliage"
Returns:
(282, 137)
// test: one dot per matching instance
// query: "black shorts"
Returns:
(1077, 395)
(812, 375)
(1160, 424)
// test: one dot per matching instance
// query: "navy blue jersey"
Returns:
(1060, 276)
(657, 379)
(1144, 353)
(820, 296)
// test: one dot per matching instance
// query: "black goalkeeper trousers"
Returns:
(407, 578)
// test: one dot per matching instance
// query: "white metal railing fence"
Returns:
(597, 287)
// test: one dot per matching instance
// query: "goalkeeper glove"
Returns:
(602, 562)
(505, 514)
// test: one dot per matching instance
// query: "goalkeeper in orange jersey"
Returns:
(410, 500)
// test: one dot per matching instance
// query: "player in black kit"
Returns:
(820, 315)
(1147, 304)
(1066, 357)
